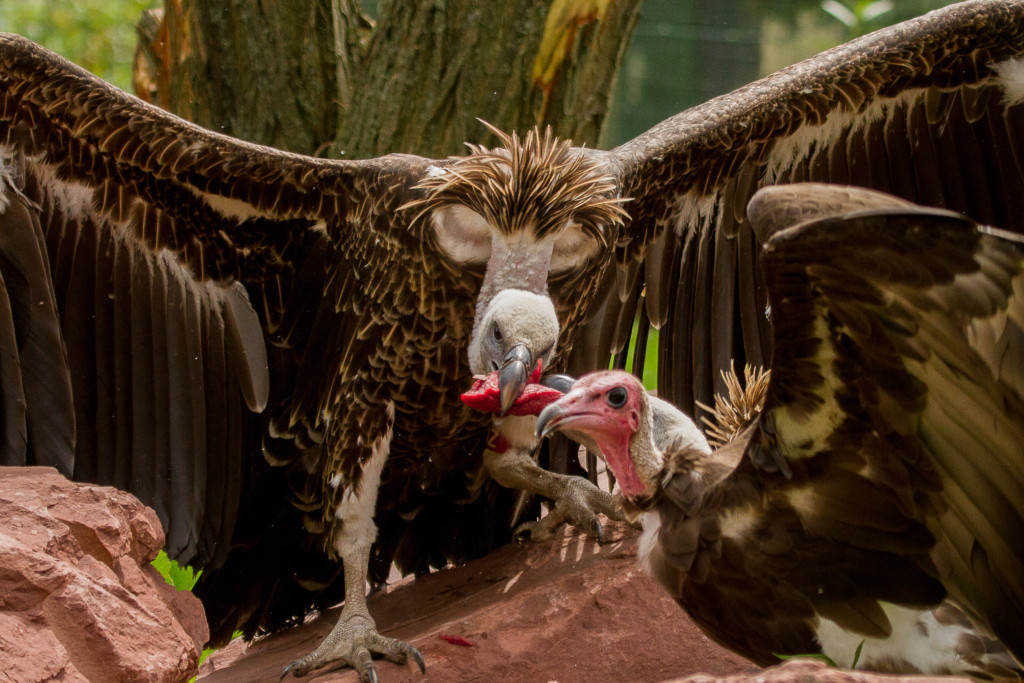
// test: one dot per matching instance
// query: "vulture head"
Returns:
(612, 409)
(517, 331)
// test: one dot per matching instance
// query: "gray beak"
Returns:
(544, 421)
(562, 383)
(513, 375)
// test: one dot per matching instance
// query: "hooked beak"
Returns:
(514, 375)
(549, 419)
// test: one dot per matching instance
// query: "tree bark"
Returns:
(320, 78)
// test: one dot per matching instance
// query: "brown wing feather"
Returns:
(36, 367)
(13, 427)
(914, 109)
(115, 184)
(894, 331)
(888, 464)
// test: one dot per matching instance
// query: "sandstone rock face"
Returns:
(79, 599)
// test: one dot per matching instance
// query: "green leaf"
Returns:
(182, 578)
(650, 378)
(856, 655)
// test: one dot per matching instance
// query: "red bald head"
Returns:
(609, 407)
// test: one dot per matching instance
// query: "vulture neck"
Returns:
(517, 261)
(639, 459)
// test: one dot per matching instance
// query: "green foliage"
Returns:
(860, 16)
(182, 578)
(650, 377)
(96, 34)
(856, 655)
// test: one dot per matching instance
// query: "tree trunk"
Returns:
(320, 78)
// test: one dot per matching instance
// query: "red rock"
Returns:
(79, 599)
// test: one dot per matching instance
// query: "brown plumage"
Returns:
(886, 471)
(252, 423)
(552, 184)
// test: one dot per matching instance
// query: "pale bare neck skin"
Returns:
(516, 262)
(647, 458)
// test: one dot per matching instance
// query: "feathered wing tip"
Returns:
(539, 183)
(731, 414)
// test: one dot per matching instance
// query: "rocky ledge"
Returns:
(79, 599)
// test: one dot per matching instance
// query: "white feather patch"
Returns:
(917, 638)
(1011, 78)
(691, 211)
(74, 199)
(651, 523)
(462, 234)
(794, 149)
(357, 507)
(6, 181)
(231, 208)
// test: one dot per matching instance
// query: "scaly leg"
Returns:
(509, 460)
(354, 639)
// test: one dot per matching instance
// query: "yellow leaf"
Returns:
(564, 18)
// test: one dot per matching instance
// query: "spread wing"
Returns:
(894, 420)
(927, 110)
(145, 264)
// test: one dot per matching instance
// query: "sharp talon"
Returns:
(288, 669)
(598, 531)
(371, 675)
(419, 660)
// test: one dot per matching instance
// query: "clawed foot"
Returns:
(579, 505)
(354, 640)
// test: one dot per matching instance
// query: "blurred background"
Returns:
(682, 53)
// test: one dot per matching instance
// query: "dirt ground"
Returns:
(564, 610)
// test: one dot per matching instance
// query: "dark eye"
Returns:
(617, 397)
(497, 333)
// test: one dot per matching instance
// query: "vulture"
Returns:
(270, 349)
(518, 328)
(872, 510)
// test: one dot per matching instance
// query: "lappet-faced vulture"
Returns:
(182, 308)
(872, 509)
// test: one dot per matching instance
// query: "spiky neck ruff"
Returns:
(739, 407)
(530, 208)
